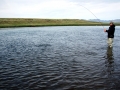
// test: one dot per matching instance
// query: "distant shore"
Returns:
(34, 22)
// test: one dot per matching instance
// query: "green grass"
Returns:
(33, 22)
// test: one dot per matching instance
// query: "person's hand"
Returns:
(104, 30)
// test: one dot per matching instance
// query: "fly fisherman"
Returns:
(110, 32)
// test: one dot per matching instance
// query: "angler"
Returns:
(110, 32)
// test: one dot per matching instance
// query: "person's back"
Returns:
(110, 34)
(111, 31)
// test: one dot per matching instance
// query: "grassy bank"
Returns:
(30, 22)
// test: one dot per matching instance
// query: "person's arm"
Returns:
(105, 30)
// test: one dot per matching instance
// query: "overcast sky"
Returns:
(60, 9)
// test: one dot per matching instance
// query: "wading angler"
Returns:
(110, 32)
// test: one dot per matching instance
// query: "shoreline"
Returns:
(46, 26)
(32, 22)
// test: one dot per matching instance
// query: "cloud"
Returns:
(59, 9)
(106, 10)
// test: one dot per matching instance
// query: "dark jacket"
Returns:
(111, 31)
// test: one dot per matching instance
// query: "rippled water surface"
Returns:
(58, 58)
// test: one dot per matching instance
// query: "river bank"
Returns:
(34, 22)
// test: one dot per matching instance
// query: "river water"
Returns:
(59, 58)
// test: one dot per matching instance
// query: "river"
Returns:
(59, 58)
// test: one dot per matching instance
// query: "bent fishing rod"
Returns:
(93, 15)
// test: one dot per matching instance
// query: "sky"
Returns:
(60, 9)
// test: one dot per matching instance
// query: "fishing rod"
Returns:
(93, 14)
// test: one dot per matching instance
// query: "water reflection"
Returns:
(110, 68)
(110, 54)
(110, 60)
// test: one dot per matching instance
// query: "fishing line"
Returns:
(94, 15)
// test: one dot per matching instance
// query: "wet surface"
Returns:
(58, 58)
